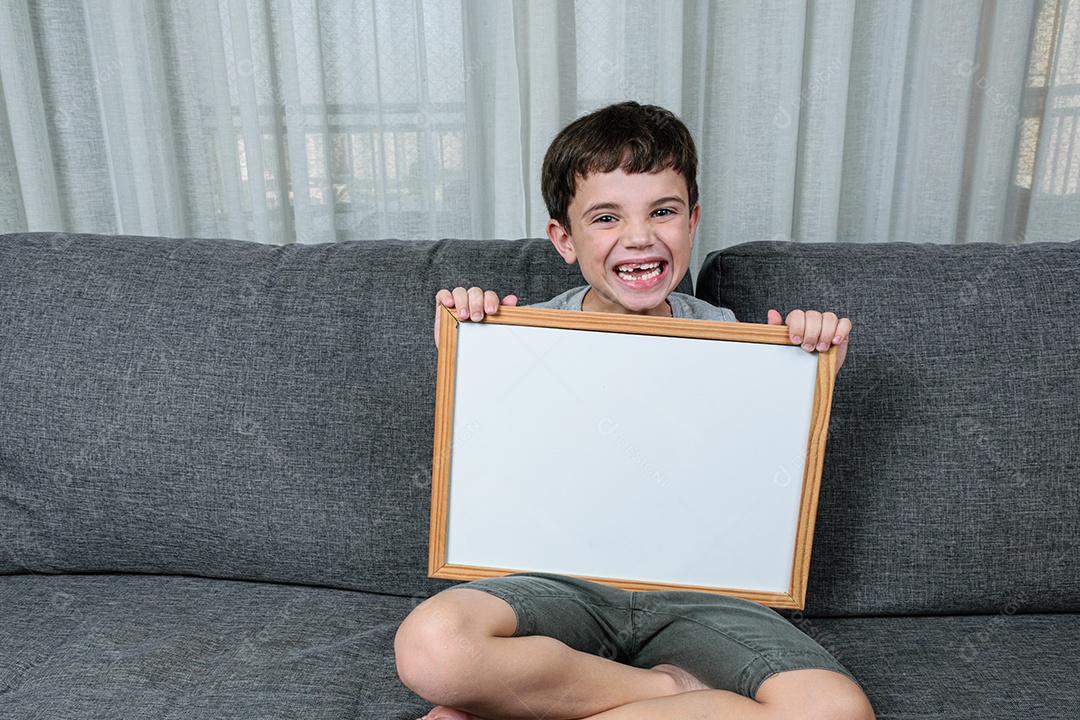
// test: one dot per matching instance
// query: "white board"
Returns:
(647, 460)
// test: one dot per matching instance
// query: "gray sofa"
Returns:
(215, 458)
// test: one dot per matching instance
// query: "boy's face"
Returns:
(632, 235)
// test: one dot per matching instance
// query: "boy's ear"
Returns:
(695, 216)
(562, 241)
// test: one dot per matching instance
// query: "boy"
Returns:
(620, 185)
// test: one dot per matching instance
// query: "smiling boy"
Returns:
(620, 185)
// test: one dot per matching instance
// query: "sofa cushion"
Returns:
(976, 667)
(75, 647)
(143, 646)
(952, 472)
(230, 409)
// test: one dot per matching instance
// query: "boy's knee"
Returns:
(850, 704)
(428, 650)
(436, 650)
(815, 695)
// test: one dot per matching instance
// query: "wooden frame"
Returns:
(755, 547)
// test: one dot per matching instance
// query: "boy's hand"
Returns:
(816, 331)
(472, 304)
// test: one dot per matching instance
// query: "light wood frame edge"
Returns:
(815, 460)
(444, 426)
(794, 599)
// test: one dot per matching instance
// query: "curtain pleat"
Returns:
(822, 107)
(28, 157)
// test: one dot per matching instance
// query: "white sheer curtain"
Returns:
(293, 121)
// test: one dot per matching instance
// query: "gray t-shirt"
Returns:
(682, 305)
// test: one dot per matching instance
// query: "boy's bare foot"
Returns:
(684, 681)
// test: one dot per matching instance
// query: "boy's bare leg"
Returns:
(457, 652)
(683, 680)
(796, 695)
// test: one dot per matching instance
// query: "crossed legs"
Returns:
(457, 651)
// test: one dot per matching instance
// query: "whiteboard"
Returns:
(642, 452)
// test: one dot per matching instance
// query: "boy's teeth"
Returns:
(651, 269)
(644, 266)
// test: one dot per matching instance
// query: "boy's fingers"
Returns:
(491, 302)
(796, 322)
(774, 318)
(843, 329)
(471, 304)
(843, 332)
(476, 303)
(811, 330)
(829, 323)
(444, 297)
(461, 302)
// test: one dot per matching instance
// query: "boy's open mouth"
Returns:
(640, 271)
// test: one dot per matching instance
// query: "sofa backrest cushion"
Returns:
(952, 472)
(230, 409)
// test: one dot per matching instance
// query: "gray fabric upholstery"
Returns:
(972, 667)
(128, 646)
(952, 473)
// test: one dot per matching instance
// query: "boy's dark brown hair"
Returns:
(637, 138)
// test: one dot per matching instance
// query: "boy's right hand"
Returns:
(472, 304)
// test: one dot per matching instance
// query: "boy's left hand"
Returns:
(816, 331)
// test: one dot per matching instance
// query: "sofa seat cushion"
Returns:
(128, 646)
(964, 667)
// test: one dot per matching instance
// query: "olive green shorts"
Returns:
(727, 643)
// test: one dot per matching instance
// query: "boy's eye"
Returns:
(604, 219)
(663, 212)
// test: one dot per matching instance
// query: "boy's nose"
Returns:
(637, 235)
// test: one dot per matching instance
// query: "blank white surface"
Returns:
(625, 456)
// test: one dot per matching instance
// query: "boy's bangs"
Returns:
(631, 158)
